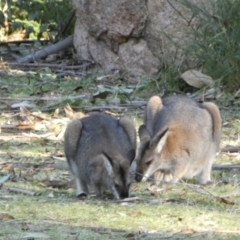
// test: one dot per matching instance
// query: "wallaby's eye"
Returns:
(149, 162)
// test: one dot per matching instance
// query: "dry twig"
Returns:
(22, 191)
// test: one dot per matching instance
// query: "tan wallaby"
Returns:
(99, 150)
(179, 139)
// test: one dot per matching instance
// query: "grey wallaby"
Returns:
(99, 150)
(179, 139)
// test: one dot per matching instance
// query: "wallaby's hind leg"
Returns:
(115, 193)
(97, 190)
(71, 139)
(82, 189)
(204, 177)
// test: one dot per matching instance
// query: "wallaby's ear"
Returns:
(108, 163)
(159, 140)
(143, 134)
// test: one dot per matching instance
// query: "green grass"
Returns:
(177, 212)
(180, 210)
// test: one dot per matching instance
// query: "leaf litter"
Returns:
(37, 190)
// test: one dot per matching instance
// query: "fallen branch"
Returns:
(47, 98)
(22, 191)
(231, 149)
(220, 167)
(59, 158)
(68, 42)
(131, 199)
(18, 42)
(50, 65)
(204, 191)
(118, 108)
(56, 184)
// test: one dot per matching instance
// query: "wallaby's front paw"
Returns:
(82, 196)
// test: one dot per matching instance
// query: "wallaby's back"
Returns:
(101, 133)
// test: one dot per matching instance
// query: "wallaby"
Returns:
(99, 150)
(179, 139)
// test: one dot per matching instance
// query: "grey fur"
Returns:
(179, 139)
(99, 150)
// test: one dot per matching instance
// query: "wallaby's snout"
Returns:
(138, 176)
(99, 150)
(179, 139)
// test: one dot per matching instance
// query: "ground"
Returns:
(37, 194)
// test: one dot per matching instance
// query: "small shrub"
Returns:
(35, 19)
(214, 39)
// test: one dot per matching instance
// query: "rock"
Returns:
(132, 36)
(137, 59)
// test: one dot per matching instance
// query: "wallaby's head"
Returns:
(118, 171)
(149, 152)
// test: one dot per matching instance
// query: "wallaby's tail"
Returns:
(71, 138)
(217, 121)
(153, 106)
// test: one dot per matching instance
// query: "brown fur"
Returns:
(99, 150)
(179, 140)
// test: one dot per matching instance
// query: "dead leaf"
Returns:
(70, 113)
(40, 176)
(130, 199)
(4, 179)
(197, 79)
(26, 126)
(136, 214)
(36, 235)
(154, 188)
(122, 214)
(6, 216)
(23, 104)
(56, 112)
(129, 235)
(224, 200)
(51, 195)
(190, 231)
